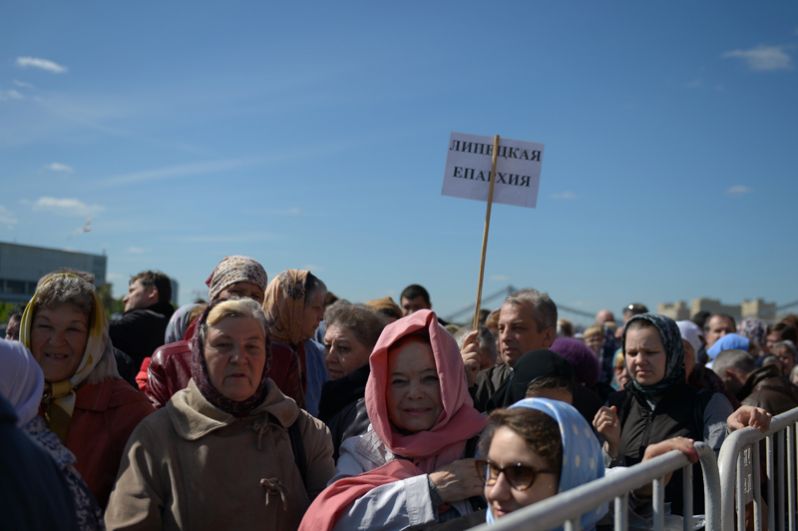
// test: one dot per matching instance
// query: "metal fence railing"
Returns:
(566, 508)
(740, 469)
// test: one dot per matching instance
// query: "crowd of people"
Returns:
(275, 404)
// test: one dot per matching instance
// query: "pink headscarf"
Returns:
(459, 421)
(417, 453)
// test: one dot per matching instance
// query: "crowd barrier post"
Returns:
(739, 467)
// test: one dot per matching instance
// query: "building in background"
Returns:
(21, 267)
(756, 308)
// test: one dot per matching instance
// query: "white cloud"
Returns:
(172, 172)
(695, 83)
(66, 206)
(7, 217)
(499, 278)
(59, 167)
(22, 84)
(567, 195)
(136, 250)
(11, 94)
(763, 58)
(42, 64)
(738, 189)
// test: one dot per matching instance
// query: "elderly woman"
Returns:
(294, 305)
(352, 331)
(22, 383)
(657, 403)
(413, 467)
(229, 451)
(86, 403)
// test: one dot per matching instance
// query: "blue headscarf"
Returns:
(728, 342)
(674, 355)
(582, 460)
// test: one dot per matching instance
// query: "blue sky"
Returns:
(315, 135)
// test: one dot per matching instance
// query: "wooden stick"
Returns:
(492, 181)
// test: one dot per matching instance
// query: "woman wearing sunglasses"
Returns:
(535, 449)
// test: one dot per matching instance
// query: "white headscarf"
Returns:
(21, 380)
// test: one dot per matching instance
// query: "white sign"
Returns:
(517, 169)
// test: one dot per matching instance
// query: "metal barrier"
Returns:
(567, 507)
(740, 470)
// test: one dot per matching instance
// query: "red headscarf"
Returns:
(417, 453)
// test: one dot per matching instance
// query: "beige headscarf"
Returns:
(59, 397)
(284, 305)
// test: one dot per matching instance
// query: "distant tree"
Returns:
(111, 304)
(5, 310)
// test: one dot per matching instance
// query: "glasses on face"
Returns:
(518, 475)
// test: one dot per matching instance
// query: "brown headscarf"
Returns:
(284, 305)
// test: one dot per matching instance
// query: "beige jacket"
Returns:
(192, 466)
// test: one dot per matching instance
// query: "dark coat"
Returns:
(35, 493)
(139, 332)
(338, 407)
(769, 389)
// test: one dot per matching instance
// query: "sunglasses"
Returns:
(518, 475)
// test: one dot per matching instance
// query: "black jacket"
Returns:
(342, 407)
(139, 332)
(679, 412)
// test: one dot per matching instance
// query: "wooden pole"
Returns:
(492, 182)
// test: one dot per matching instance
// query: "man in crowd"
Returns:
(414, 298)
(12, 326)
(717, 326)
(527, 322)
(764, 387)
(141, 328)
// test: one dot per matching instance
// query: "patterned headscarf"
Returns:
(234, 269)
(199, 373)
(284, 304)
(21, 380)
(59, 397)
(582, 460)
(756, 330)
(674, 354)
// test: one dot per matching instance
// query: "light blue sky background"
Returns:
(315, 136)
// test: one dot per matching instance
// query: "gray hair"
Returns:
(787, 344)
(243, 307)
(544, 310)
(734, 359)
(363, 322)
(65, 287)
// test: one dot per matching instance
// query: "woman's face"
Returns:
(58, 340)
(414, 391)
(241, 290)
(345, 353)
(313, 314)
(595, 342)
(645, 355)
(507, 448)
(621, 373)
(235, 353)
